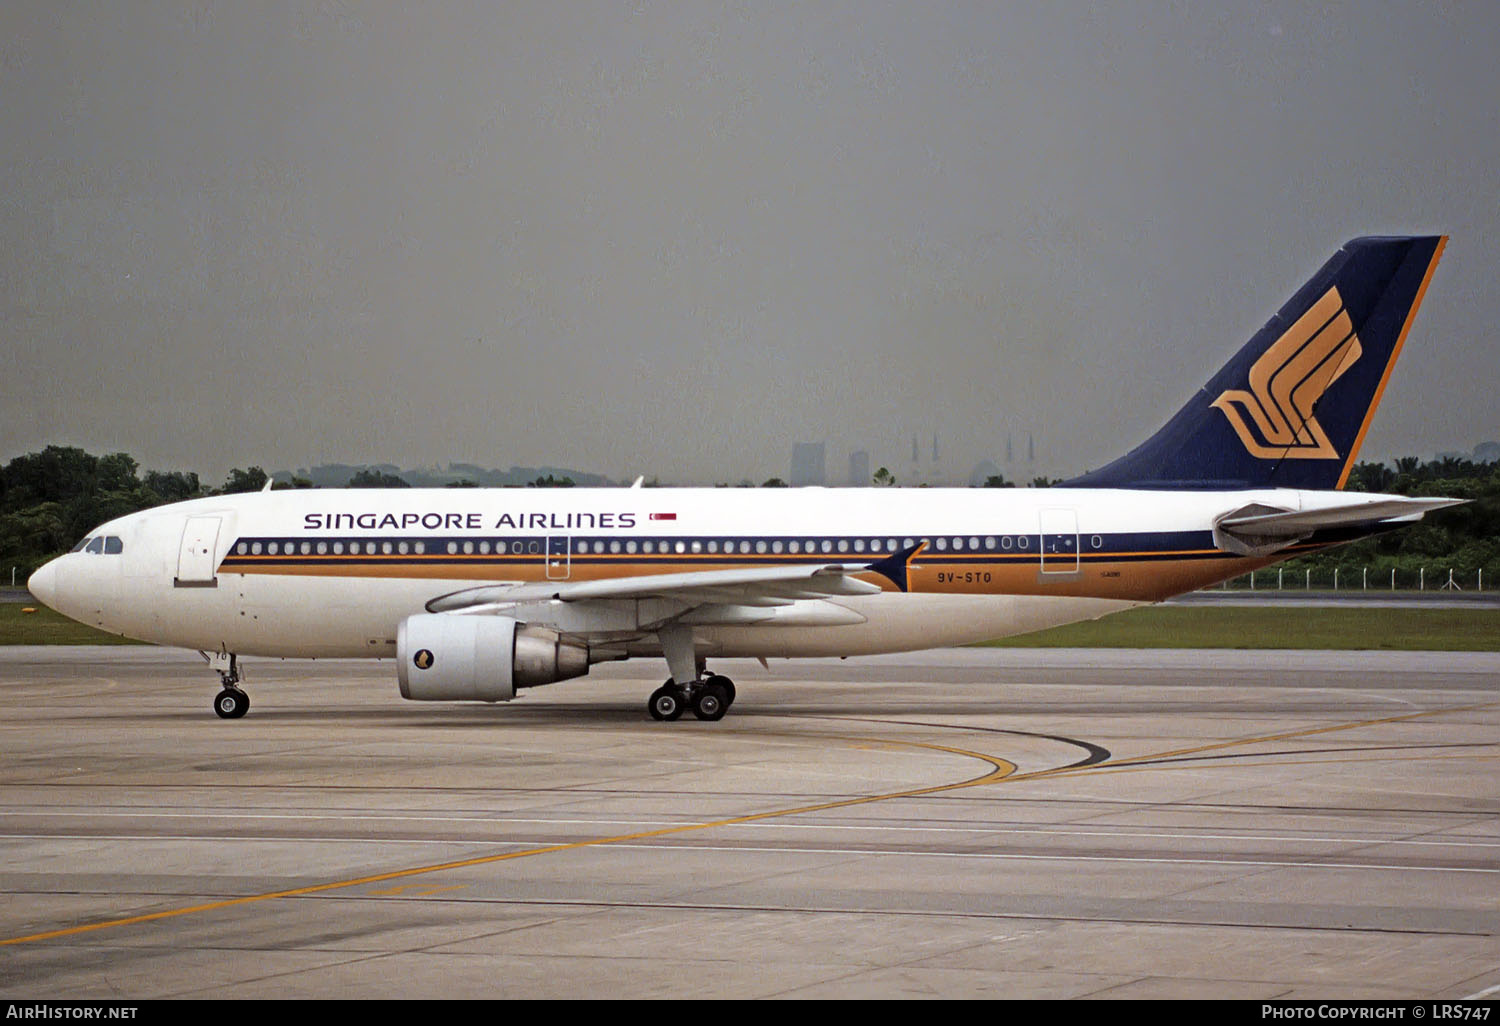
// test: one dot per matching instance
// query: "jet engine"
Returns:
(442, 657)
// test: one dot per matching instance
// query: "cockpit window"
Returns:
(101, 545)
(81, 543)
(113, 546)
(95, 545)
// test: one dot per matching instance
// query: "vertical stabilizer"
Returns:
(1292, 407)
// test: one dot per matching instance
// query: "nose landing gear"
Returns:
(230, 703)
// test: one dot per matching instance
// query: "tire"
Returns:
(727, 685)
(231, 704)
(666, 703)
(710, 701)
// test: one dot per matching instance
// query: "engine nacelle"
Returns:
(441, 657)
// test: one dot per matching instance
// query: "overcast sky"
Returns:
(674, 239)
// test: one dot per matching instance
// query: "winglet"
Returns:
(893, 568)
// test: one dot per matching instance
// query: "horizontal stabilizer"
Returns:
(1259, 530)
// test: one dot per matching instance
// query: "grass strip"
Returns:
(1251, 627)
(45, 627)
(1244, 627)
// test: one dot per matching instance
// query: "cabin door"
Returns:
(195, 558)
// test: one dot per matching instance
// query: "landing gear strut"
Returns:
(231, 703)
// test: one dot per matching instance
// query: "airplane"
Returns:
(479, 594)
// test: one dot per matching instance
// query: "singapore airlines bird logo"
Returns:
(1287, 382)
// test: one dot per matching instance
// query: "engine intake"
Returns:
(441, 657)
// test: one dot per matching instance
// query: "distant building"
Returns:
(859, 469)
(808, 464)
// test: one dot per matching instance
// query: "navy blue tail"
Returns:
(1291, 408)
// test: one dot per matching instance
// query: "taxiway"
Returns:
(968, 823)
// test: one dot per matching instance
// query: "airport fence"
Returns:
(1365, 578)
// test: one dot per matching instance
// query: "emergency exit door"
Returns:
(1059, 541)
(558, 554)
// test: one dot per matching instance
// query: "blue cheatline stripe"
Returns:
(584, 551)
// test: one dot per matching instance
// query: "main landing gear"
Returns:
(231, 703)
(709, 698)
(708, 695)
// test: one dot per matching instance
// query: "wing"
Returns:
(787, 595)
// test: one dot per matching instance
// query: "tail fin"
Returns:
(1292, 407)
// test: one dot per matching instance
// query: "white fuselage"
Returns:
(334, 573)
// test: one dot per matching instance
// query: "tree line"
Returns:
(51, 499)
(1465, 538)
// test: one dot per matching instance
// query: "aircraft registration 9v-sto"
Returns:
(480, 593)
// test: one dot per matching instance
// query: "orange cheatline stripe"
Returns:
(1002, 768)
(1411, 315)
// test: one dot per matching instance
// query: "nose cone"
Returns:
(43, 584)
